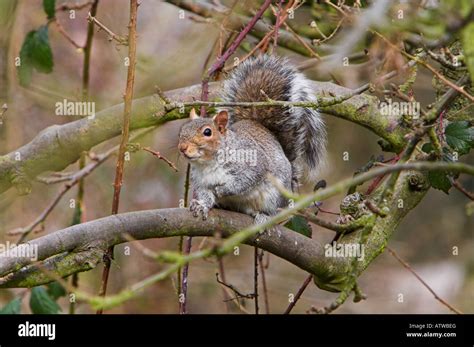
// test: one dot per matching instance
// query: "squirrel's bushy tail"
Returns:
(300, 131)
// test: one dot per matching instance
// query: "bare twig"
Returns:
(132, 47)
(331, 35)
(459, 89)
(444, 100)
(181, 238)
(445, 62)
(220, 263)
(237, 293)
(298, 294)
(375, 209)
(463, 190)
(72, 180)
(112, 36)
(281, 15)
(338, 228)
(409, 268)
(161, 157)
(63, 32)
(318, 103)
(255, 278)
(79, 215)
(184, 285)
(278, 22)
(25, 231)
(264, 282)
(223, 58)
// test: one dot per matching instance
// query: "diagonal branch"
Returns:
(409, 268)
(329, 273)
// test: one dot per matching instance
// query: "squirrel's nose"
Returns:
(183, 147)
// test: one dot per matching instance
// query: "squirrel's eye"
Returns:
(207, 132)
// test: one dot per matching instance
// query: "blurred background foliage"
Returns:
(172, 53)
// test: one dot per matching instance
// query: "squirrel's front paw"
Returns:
(262, 218)
(198, 207)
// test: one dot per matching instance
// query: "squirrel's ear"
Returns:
(193, 115)
(220, 120)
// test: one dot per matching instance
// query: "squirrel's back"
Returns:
(300, 131)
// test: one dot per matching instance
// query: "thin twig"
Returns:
(79, 215)
(338, 228)
(443, 61)
(220, 263)
(459, 89)
(375, 209)
(463, 190)
(161, 157)
(255, 278)
(72, 180)
(112, 36)
(63, 32)
(409, 268)
(223, 58)
(276, 28)
(298, 294)
(264, 283)
(291, 6)
(181, 238)
(132, 50)
(235, 290)
(184, 283)
(25, 231)
(443, 102)
(331, 35)
(320, 102)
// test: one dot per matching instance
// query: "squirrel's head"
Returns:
(200, 139)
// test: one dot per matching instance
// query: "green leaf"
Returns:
(300, 225)
(42, 54)
(439, 180)
(460, 136)
(427, 147)
(35, 54)
(13, 307)
(25, 69)
(49, 8)
(56, 290)
(42, 303)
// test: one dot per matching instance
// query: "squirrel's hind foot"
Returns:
(262, 218)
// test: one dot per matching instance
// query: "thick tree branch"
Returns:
(58, 146)
(330, 273)
(105, 232)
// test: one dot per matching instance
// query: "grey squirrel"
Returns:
(233, 153)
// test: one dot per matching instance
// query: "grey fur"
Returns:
(236, 185)
(300, 131)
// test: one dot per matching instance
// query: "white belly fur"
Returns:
(262, 198)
